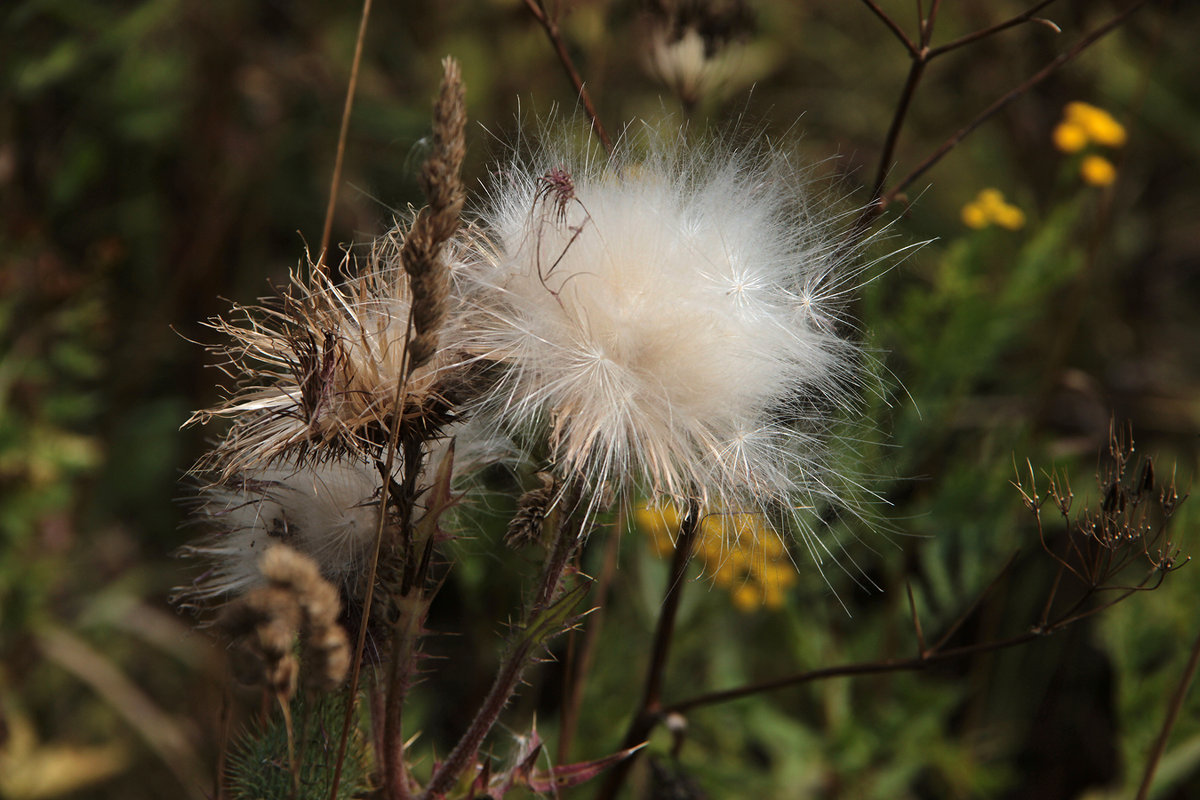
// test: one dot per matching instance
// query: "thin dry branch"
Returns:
(1041, 75)
(983, 33)
(327, 230)
(892, 25)
(550, 25)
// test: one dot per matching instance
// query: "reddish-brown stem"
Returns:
(935, 654)
(920, 59)
(927, 24)
(587, 650)
(892, 26)
(327, 231)
(513, 666)
(560, 48)
(650, 709)
(1160, 744)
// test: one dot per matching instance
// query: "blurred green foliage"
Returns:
(157, 155)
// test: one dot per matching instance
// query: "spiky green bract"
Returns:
(258, 767)
(670, 318)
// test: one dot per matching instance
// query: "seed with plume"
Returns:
(670, 319)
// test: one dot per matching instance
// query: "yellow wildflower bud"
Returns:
(1070, 137)
(974, 216)
(1078, 111)
(990, 199)
(989, 207)
(1098, 171)
(747, 597)
(1106, 131)
(1009, 217)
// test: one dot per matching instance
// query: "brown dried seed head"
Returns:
(286, 568)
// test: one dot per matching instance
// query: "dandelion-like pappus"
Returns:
(668, 319)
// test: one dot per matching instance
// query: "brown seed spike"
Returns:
(429, 279)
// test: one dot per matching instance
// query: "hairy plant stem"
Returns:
(413, 609)
(524, 645)
(650, 709)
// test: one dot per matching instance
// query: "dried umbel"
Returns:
(669, 319)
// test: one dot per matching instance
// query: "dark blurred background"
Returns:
(161, 158)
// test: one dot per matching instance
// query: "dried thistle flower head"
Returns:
(318, 369)
(669, 318)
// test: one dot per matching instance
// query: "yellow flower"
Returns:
(747, 597)
(1009, 217)
(741, 553)
(1069, 137)
(974, 216)
(1098, 171)
(1097, 124)
(990, 208)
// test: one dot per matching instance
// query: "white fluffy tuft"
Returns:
(669, 318)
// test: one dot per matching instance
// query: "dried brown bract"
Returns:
(532, 509)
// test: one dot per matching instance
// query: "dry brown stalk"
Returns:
(327, 230)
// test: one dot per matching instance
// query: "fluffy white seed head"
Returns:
(325, 509)
(328, 511)
(668, 318)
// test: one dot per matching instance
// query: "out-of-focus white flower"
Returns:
(670, 319)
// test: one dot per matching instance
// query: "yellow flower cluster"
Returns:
(990, 208)
(740, 552)
(1082, 125)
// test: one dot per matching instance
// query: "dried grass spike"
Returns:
(429, 278)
